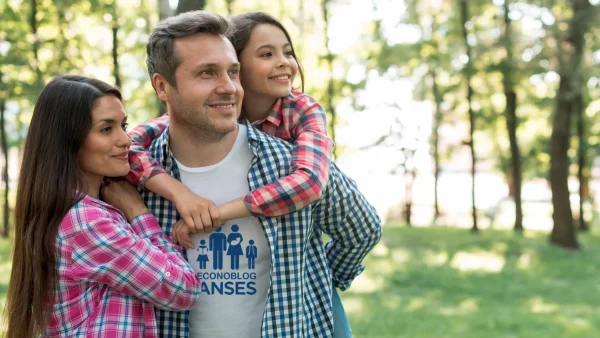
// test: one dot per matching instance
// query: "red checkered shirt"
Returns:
(296, 118)
(112, 273)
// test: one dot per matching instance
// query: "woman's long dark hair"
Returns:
(245, 23)
(49, 178)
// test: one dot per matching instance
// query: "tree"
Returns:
(189, 5)
(569, 69)
(511, 118)
(437, 121)
(329, 57)
(468, 71)
(115, 44)
(164, 9)
(6, 207)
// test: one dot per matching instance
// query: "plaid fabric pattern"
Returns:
(297, 118)
(111, 274)
(299, 300)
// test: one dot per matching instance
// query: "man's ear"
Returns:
(161, 85)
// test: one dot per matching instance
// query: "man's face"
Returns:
(208, 97)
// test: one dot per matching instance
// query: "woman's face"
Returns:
(268, 66)
(104, 151)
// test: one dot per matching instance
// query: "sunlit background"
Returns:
(391, 74)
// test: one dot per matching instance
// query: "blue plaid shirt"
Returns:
(299, 299)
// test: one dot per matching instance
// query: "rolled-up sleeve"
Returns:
(352, 223)
(143, 262)
(142, 164)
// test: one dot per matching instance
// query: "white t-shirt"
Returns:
(234, 261)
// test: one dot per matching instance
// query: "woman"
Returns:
(83, 266)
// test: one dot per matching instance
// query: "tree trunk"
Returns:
(579, 111)
(512, 121)
(329, 106)
(164, 10)
(190, 5)
(229, 5)
(115, 47)
(468, 74)
(5, 178)
(408, 200)
(436, 143)
(563, 232)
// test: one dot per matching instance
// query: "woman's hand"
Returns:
(125, 197)
(181, 234)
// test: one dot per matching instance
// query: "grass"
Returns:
(445, 282)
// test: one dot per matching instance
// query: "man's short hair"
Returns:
(161, 55)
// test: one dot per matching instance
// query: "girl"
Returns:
(81, 266)
(268, 69)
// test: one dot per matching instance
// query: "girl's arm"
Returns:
(310, 164)
(198, 213)
(143, 166)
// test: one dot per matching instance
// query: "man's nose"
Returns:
(226, 85)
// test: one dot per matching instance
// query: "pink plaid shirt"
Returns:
(297, 118)
(111, 274)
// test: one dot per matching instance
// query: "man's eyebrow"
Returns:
(214, 65)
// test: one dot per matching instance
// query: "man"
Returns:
(287, 290)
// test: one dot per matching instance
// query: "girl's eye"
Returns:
(289, 53)
(106, 130)
(124, 126)
(267, 54)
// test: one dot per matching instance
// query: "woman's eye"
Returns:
(266, 54)
(106, 130)
(124, 126)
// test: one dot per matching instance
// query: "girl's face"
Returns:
(104, 151)
(268, 66)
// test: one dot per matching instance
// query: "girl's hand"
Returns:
(199, 214)
(125, 197)
(181, 234)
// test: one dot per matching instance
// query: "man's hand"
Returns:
(199, 214)
(181, 234)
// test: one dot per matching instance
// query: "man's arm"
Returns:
(352, 223)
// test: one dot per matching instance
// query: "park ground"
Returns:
(445, 282)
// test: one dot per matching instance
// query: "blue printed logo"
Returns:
(230, 245)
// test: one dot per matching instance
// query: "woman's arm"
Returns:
(143, 263)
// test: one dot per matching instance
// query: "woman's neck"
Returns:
(93, 185)
(257, 108)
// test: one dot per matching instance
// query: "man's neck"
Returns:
(193, 151)
(257, 108)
